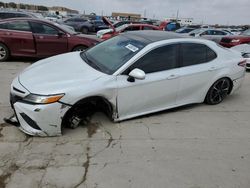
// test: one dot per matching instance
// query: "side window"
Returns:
(19, 26)
(220, 33)
(193, 54)
(21, 15)
(43, 29)
(210, 54)
(160, 59)
(4, 26)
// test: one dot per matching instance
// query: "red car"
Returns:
(234, 40)
(29, 37)
(124, 28)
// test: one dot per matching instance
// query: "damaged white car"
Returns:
(133, 74)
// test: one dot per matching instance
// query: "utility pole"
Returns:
(145, 13)
(177, 15)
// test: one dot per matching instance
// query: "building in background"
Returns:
(126, 16)
(62, 11)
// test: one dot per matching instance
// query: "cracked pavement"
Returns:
(197, 146)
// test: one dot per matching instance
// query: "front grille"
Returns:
(248, 65)
(226, 40)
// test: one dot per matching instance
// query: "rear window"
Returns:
(194, 54)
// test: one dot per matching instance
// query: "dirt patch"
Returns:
(92, 128)
(1, 128)
(6, 176)
(86, 165)
(3, 179)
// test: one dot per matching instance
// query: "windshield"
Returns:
(247, 32)
(111, 54)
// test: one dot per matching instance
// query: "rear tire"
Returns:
(4, 53)
(218, 91)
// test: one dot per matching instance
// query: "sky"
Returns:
(228, 12)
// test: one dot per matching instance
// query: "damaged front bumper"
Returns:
(40, 120)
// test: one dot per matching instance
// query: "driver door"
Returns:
(47, 40)
(157, 91)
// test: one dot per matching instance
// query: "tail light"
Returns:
(242, 63)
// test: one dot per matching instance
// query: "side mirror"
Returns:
(136, 74)
(192, 34)
(60, 34)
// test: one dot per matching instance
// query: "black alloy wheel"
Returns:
(219, 90)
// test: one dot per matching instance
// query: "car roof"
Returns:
(149, 36)
(26, 19)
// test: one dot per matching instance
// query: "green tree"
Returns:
(43, 8)
(1, 4)
(12, 5)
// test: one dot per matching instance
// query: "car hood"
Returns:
(58, 74)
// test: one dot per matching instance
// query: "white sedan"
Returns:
(133, 74)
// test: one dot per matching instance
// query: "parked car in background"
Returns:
(211, 34)
(18, 14)
(114, 75)
(99, 25)
(31, 37)
(244, 49)
(230, 41)
(53, 17)
(185, 30)
(169, 26)
(85, 25)
(208, 32)
(128, 27)
(123, 28)
(112, 26)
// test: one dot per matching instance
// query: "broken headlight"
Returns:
(42, 99)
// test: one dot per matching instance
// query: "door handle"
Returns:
(172, 76)
(212, 68)
(41, 37)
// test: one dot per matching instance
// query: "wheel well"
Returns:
(93, 104)
(79, 46)
(231, 85)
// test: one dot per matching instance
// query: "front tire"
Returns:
(218, 91)
(4, 53)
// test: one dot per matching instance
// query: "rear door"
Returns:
(18, 37)
(198, 65)
(48, 41)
